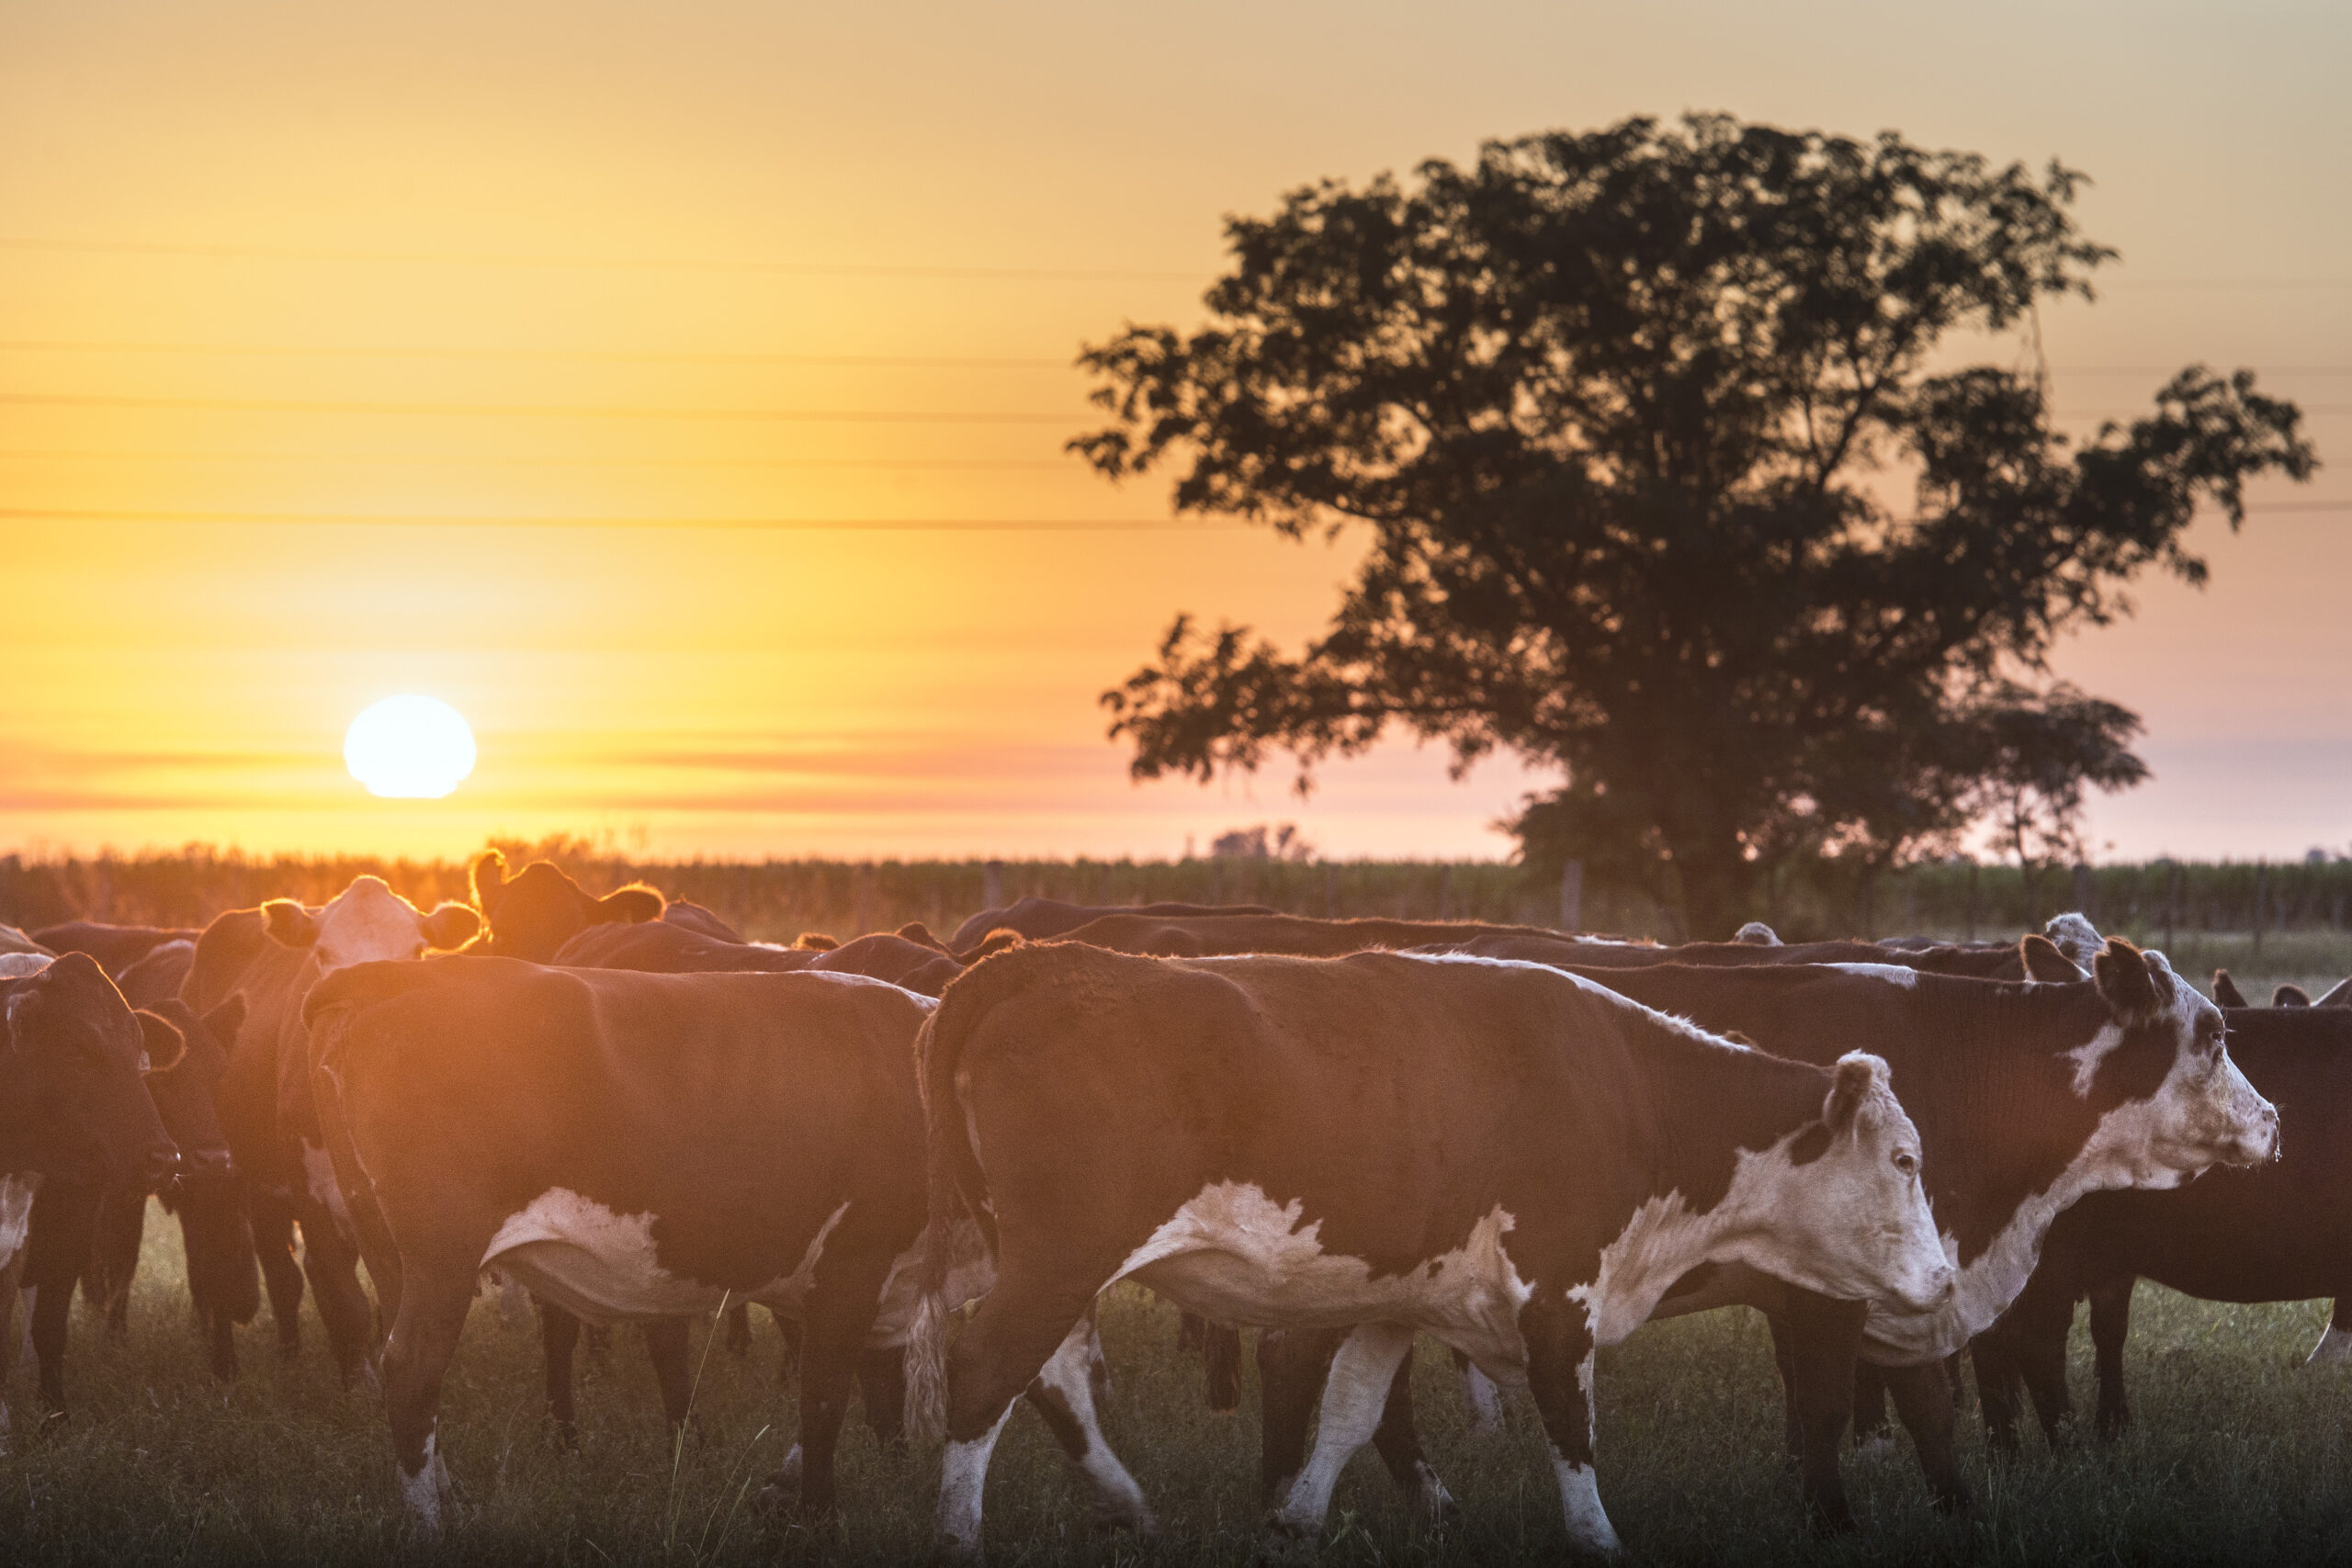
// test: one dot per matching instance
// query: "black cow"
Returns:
(116, 948)
(74, 1115)
(1038, 919)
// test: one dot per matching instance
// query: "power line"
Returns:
(526, 411)
(684, 357)
(590, 460)
(620, 263)
(506, 520)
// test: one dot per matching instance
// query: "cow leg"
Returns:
(434, 1302)
(1353, 1396)
(785, 1369)
(1398, 1444)
(668, 1346)
(1064, 1395)
(839, 1316)
(1817, 1342)
(1558, 1334)
(2110, 1326)
(738, 1329)
(1221, 1357)
(281, 1276)
(2335, 1346)
(1291, 1366)
(1019, 1326)
(1999, 1388)
(1191, 1331)
(331, 1261)
(53, 1304)
(558, 1336)
(1871, 1428)
(2040, 1350)
(1923, 1399)
(223, 1343)
(1480, 1397)
(122, 1224)
(882, 1385)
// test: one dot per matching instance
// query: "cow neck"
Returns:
(1713, 1107)
(1989, 1086)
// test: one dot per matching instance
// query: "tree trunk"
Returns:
(1716, 882)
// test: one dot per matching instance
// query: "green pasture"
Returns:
(2241, 1456)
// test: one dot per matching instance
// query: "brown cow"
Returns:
(1037, 919)
(1195, 936)
(116, 948)
(1504, 1155)
(272, 956)
(631, 1146)
(532, 915)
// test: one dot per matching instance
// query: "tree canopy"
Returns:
(1669, 484)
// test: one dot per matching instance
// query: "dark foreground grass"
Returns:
(2240, 1457)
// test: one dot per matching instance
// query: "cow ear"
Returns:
(2042, 960)
(291, 925)
(633, 905)
(2225, 991)
(164, 1044)
(997, 941)
(450, 925)
(2121, 970)
(2290, 996)
(489, 880)
(1858, 1074)
(2338, 996)
(916, 932)
(816, 941)
(226, 1021)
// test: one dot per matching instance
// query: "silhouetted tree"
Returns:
(1627, 418)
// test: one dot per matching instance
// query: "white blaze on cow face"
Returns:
(1838, 1209)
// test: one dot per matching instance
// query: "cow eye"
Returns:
(1908, 1164)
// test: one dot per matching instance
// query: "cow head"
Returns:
(2042, 960)
(1847, 1215)
(186, 1091)
(2171, 1102)
(366, 921)
(73, 1102)
(532, 915)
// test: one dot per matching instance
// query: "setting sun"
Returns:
(409, 747)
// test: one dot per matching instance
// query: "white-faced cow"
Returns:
(2027, 1097)
(2278, 1232)
(273, 957)
(631, 1146)
(74, 1116)
(1508, 1157)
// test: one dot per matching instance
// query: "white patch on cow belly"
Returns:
(16, 1195)
(2334, 1348)
(1893, 974)
(1233, 1255)
(603, 1266)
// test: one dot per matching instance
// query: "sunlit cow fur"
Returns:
(631, 1146)
(1270, 1141)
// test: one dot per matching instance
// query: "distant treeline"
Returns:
(2162, 902)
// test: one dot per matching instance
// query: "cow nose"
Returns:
(163, 1164)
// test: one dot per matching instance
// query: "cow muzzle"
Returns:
(1932, 1294)
(163, 1164)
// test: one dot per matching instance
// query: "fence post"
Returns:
(1572, 895)
(2171, 904)
(1971, 905)
(2261, 897)
(992, 885)
(2083, 891)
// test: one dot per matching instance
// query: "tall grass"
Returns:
(2241, 1457)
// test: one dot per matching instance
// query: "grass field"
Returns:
(2241, 1457)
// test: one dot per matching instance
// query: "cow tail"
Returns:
(958, 1203)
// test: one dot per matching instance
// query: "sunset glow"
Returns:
(688, 409)
(408, 747)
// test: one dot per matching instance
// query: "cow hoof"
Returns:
(780, 1495)
(565, 1435)
(1829, 1519)
(1287, 1543)
(1877, 1445)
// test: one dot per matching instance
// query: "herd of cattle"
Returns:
(1341, 1133)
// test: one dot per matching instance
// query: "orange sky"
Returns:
(213, 213)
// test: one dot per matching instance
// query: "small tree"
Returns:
(1620, 414)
